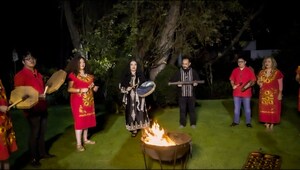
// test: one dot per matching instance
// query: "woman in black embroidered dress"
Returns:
(136, 115)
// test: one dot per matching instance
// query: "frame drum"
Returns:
(146, 88)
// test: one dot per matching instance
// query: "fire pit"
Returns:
(169, 146)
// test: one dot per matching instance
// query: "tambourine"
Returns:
(146, 88)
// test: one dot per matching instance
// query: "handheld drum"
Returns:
(146, 88)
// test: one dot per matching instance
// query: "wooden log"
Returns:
(186, 82)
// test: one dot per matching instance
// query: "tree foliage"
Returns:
(204, 29)
(133, 28)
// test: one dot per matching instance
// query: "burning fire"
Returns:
(157, 136)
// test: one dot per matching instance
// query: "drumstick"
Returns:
(131, 87)
(18, 101)
(247, 85)
(46, 88)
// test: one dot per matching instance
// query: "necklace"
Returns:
(83, 74)
(268, 73)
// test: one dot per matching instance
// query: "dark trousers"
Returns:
(36, 141)
(187, 105)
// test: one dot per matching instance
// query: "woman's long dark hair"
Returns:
(127, 75)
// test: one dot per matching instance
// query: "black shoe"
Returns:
(249, 125)
(35, 163)
(233, 124)
(47, 156)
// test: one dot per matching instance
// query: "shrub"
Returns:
(113, 97)
(165, 95)
(218, 90)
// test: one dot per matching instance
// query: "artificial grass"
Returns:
(215, 145)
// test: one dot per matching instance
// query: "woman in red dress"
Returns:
(81, 87)
(298, 80)
(270, 81)
(8, 142)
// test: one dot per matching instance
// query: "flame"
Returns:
(157, 136)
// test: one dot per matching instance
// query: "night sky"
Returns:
(34, 26)
(38, 26)
(278, 18)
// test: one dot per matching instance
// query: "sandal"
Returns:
(271, 126)
(80, 148)
(89, 142)
(267, 125)
(134, 133)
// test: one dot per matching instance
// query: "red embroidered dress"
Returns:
(82, 104)
(7, 135)
(269, 105)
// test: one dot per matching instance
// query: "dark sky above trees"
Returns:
(32, 25)
(39, 27)
(277, 18)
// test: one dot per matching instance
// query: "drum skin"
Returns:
(146, 89)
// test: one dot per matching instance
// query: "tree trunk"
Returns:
(174, 56)
(74, 33)
(209, 77)
(166, 40)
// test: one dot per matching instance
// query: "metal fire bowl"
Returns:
(169, 153)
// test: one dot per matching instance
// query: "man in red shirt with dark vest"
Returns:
(37, 115)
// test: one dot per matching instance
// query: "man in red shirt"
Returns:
(241, 80)
(37, 115)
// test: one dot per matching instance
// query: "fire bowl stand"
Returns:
(183, 159)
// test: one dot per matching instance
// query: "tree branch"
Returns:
(238, 36)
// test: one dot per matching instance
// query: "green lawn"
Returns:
(215, 145)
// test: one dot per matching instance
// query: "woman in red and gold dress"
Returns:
(8, 142)
(298, 80)
(81, 87)
(270, 81)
